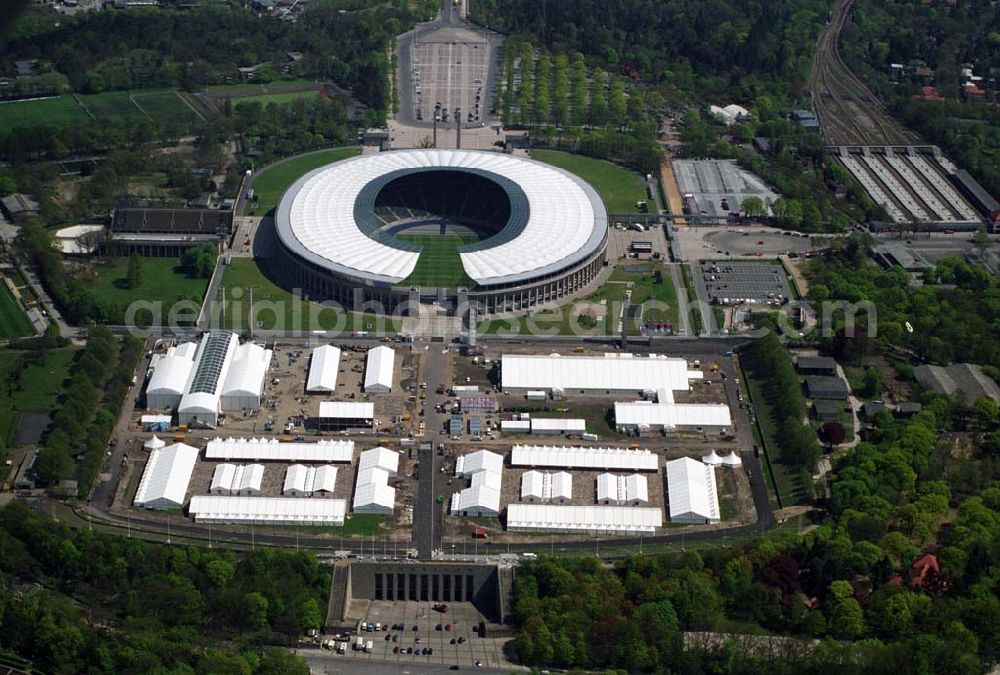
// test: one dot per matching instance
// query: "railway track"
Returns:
(849, 112)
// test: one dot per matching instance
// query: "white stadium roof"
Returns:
(317, 217)
(611, 372)
(583, 457)
(323, 369)
(272, 450)
(691, 490)
(591, 519)
(378, 369)
(267, 510)
(164, 482)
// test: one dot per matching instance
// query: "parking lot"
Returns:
(718, 187)
(419, 627)
(735, 282)
(449, 67)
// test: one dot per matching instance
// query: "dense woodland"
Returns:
(943, 36)
(702, 49)
(954, 316)
(847, 582)
(86, 602)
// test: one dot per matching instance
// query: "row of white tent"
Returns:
(325, 367)
(372, 493)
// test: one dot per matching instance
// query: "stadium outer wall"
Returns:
(362, 295)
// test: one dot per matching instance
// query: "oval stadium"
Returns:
(498, 232)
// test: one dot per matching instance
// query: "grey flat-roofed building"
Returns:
(870, 409)
(816, 365)
(966, 381)
(908, 408)
(826, 410)
(827, 387)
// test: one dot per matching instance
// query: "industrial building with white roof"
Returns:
(579, 457)
(378, 370)
(544, 230)
(201, 380)
(584, 519)
(310, 481)
(539, 487)
(237, 479)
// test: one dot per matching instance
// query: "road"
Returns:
(428, 515)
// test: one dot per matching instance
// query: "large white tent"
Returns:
(323, 370)
(567, 456)
(245, 381)
(310, 481)
(273, 450)
(672, 416)
(267, 510)
(201, 403)
(631, 490)
(165, 480)
(692, 492)
(611, 374)
(170, 377)
(379, 369)
(583, 519)
(484, 470)
(237, 479)
(538, 487)
(372, 493)
(381, 458)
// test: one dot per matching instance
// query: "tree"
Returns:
(833, 433)
(871, 383)
(844, 614)
(981, 241)
(133, 275)
(200, 259)
(281, 662)
(753, 207)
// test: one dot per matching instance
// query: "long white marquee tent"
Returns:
(609, 374)
(372, 493)
(267, 510)
(570, 457)
(583, 519)
(273, 450)
(165, 480)
(323, 370)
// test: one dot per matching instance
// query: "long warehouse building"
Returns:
(578, 457)
(583, 519)
(267, 510)
(273, 450)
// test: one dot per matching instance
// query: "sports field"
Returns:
(272, 181)
(115, 107)
(277, 308)
(264, 99)
(36, 385)
(57, 111)
(439, 264)
(619, 188)
(13, 322)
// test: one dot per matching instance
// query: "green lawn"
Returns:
(246, 90)
(272, 181)
(32, 381)
(163, 280)
(111, 106)
(439, 264)
(645, 291)
(286, 97)
(619, 187)
(277, 308)
(165, 103)
(57, 111)
(13, 322)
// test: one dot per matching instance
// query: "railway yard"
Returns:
(912, 181)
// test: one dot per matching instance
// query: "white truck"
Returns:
(369, 646)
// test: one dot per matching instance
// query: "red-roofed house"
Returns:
(928, 93)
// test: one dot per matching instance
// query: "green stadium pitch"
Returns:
(439, 264)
